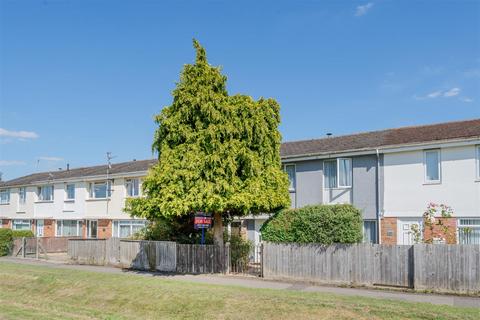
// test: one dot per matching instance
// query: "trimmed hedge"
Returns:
(6, 238)
(22, 233)
(325, 224)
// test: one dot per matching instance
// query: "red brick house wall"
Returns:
(438, 230)
(389, 230)
(104, 229)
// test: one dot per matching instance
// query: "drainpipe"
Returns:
(379, 227)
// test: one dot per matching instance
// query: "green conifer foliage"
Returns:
(217, 153)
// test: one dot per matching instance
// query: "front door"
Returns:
(91, 229)
(39, 228)
(405, 233)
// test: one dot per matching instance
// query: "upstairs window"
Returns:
(478, 162)
(70, 191)
(45, 193)
(100, 190)
(292, 179)
(4, 196)
(133, 187)
(22, 195)
(337, 173)
(432, 166)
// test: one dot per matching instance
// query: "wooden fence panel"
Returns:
(192, 258)
(447, 268)
(364, 264)
(88, 251)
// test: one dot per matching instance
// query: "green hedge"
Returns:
(22, 233)
(6, 238)
(325, 224)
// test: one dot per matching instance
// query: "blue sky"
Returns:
(80, 78)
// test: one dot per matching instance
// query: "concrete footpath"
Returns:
(257, 283)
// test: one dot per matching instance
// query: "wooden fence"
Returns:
(150, 255)
(442, 268)
(47, 244)
(202, 258)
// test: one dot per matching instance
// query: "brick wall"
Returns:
(49, 228)
(104, 229)
(438, 230)
(389, 230)
(6, 223)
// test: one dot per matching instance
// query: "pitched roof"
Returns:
(360, 141)
(390, 137)
(117, 168)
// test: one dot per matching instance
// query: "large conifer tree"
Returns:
(217, 153)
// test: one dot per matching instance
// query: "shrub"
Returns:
(240, 250)
(325, 224)
(6, 238)
(22, 233)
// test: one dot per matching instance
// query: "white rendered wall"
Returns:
(407, 195)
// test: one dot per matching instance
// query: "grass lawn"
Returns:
(33, 292)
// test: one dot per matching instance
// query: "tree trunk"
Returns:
(218, 229)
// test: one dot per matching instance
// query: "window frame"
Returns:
(477, 153)
(108, 191)
(40, 194)
(337, 168)
(375, 228)
(128, 182)
(67, 197)
(59, 227)
(22, 195)
(425, 166)
(294, 189)
(7, 192)
(14, 224)
(116, 224)
(460, 225)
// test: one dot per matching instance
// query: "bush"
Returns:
(22, 233)
(240, 250)
(325, 224)
(6, 239)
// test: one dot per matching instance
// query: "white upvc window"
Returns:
(337, 173)
(291, 171)
(127, 228)
(69, 228)
(100, 190)
(478, 162)
(70, 191)
(133, 187)
(45, 193)
(4, 196)
(469, 231)
(22, 195)
(432, 164)
(21, 224)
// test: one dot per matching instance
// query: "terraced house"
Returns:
(391, 175)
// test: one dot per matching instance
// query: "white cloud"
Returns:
(434, 94)
(50, 158)
(466, 99)
(11, 163)
(362, 10)
(18, 134)
(452, 92)
(440, 94)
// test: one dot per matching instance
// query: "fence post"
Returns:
(227, 258)
(261, 259)
(24, 242)
(36, 249)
